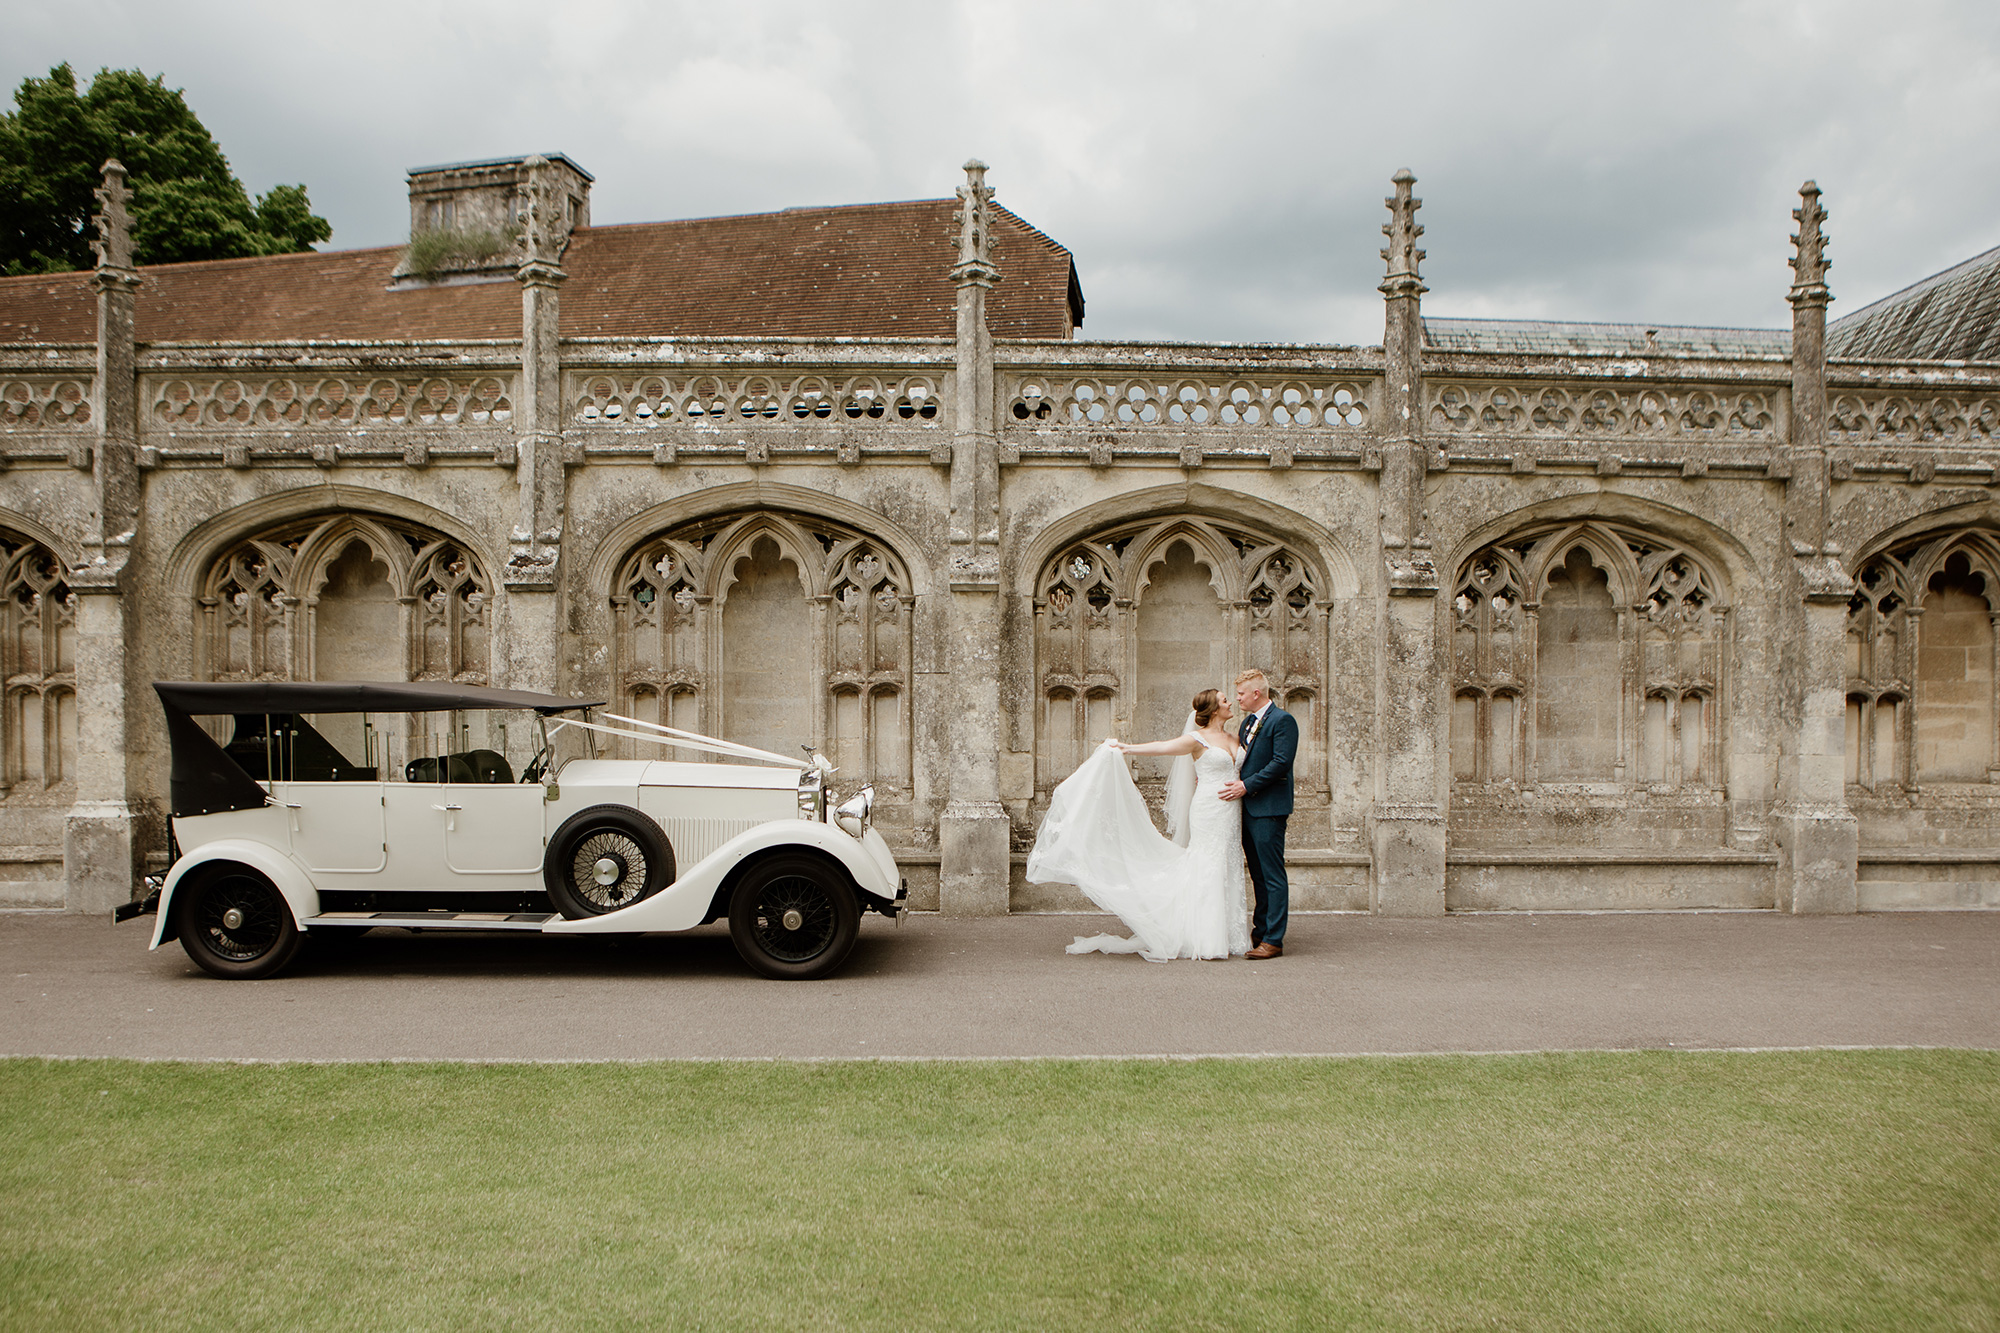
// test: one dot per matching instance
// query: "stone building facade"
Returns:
(1571, 616)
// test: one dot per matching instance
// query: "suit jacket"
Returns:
(1267, 766)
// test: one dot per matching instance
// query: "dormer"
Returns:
(465, 218)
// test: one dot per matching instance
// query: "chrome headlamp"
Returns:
(857, 812)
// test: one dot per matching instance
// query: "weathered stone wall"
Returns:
(1562, 630)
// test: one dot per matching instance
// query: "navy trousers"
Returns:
(1264, 849)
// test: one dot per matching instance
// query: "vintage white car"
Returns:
(306, 809)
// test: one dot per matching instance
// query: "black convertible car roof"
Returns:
(350, 696)
(204, 779)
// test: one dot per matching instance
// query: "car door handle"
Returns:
(450, 816)
(447, 807)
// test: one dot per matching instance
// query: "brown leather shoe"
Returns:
(1266, 950)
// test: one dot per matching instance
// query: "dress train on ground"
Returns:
(1178, 902)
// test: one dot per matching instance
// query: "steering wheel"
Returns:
(537, 766)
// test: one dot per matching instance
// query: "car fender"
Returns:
(683, 904)
(293, 884)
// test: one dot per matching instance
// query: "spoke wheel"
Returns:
(794, 917)
(606, 858)
(234, 923)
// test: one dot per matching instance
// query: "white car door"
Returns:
(337, 827)
(415, 814)
(493, 834)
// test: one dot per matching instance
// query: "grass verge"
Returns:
(1645, 1190)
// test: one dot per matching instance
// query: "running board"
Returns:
(432, 920)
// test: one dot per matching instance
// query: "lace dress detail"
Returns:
(1178, 902)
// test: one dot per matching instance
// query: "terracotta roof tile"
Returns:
(860, 271)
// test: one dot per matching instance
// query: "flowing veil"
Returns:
(1180, 791)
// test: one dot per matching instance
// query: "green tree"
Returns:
(186, 203)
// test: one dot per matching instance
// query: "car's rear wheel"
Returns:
(794, 917)
(606, 858)
(235, 924)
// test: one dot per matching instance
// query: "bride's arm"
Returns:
(1182, 744)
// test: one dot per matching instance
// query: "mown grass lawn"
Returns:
(1647, 1190)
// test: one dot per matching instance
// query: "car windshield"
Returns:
(493, 745)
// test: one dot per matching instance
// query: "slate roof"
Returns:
(857, 271)
(1540, 337)
(1949, 316)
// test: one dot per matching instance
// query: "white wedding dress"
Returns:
(1179, 901)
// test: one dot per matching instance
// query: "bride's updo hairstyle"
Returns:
(1205, 705)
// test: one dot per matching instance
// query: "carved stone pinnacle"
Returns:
(114, 223)
(975, 229)
(1809, 264)
(1401, 254)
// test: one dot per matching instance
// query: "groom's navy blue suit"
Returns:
(1267, 803)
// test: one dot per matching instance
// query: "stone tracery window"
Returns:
(1132, 621)
(350, 597)
(777, 630)
(1921, 671)
(1587, 653)
(38, 664)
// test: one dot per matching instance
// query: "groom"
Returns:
(1270, 739)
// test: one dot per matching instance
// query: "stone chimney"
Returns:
(465, 217)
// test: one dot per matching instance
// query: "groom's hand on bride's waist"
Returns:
(1231, 790)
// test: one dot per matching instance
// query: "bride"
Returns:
(1180, 898)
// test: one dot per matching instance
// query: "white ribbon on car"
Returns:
(692, 741)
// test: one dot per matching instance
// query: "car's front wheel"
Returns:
(794, 917)
(605, 858)
(235, 924)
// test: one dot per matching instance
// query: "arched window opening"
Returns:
(1587, 653)
(38, 664)
(1182, 648)
(1923, 693)
(777, 630)
(1576, 654)
(355, 612)
(1131, 622)
(353, 597)
(1954, 740)
(765, 623)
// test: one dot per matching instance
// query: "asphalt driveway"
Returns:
(80, 986)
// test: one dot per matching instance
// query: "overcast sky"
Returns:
(1217, 169)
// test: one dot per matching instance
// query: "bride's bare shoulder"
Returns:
(1221, 741)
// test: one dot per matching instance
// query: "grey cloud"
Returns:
(1218, 169)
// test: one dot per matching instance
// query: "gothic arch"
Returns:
(1721, 551)
(1590, 650)
(328, 542)
(1958, 512)
(822, 654)
(38, 668)
(733, 544)
(1210, 548)
(601, 570)
(192, 556)
(1325, 555)
(1132, 618)
(64, 550)
(262, 601)
(1923, 678)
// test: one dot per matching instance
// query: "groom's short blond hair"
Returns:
(1245, 677)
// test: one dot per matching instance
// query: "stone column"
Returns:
(1406, 831)
(534, 627)
(100, 847)
(1816, 833)
(973, 830)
